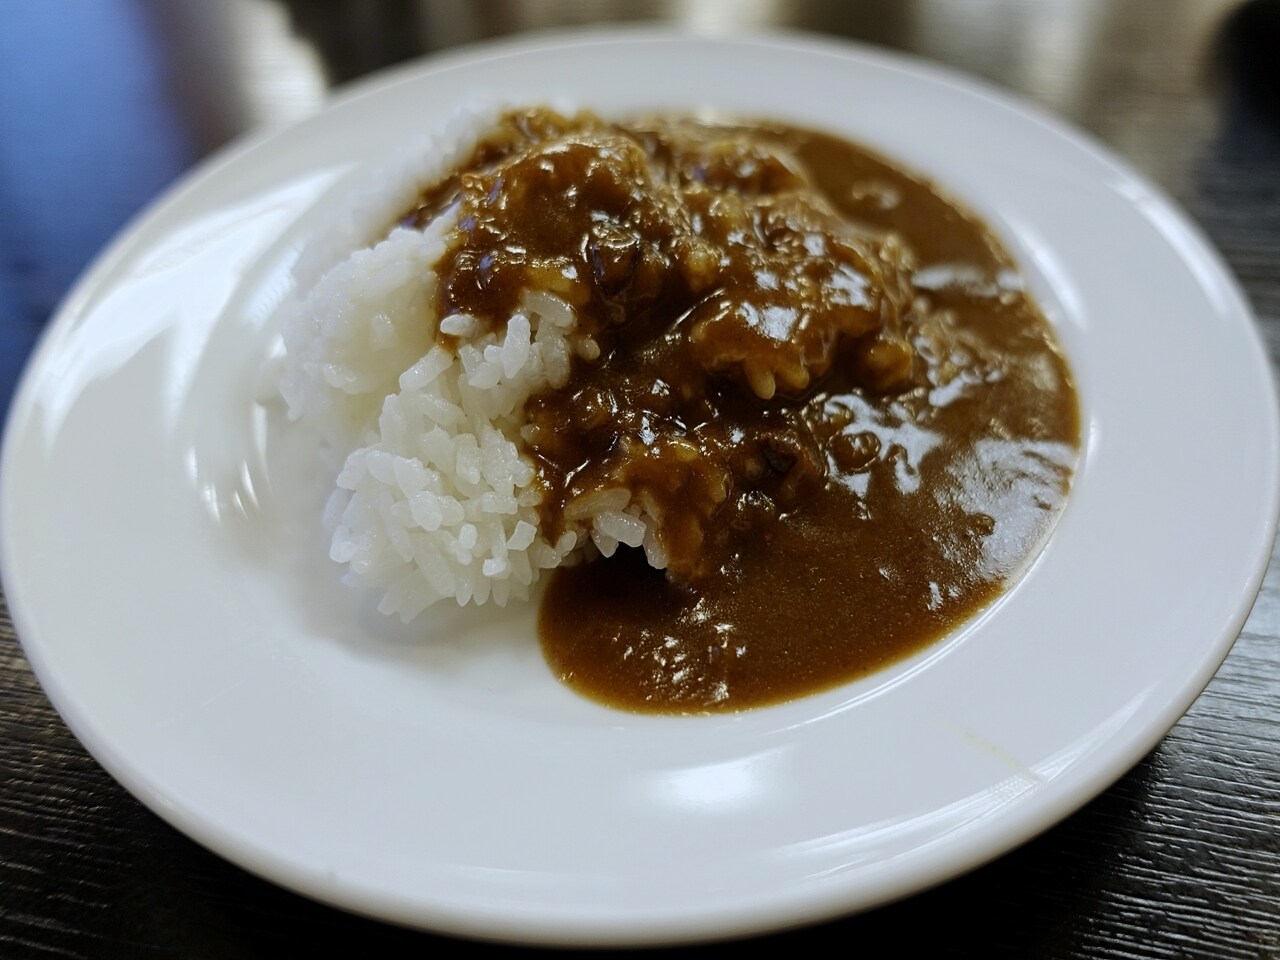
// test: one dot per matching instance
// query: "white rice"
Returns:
(435, 497)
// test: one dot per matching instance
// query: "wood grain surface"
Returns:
(1180, 858)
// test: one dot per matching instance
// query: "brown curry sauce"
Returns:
(820, 375)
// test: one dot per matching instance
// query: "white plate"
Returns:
(156, 530)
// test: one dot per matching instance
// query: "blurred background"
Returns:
(105, 102)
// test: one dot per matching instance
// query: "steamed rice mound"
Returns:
(581, 335)
(434, 497)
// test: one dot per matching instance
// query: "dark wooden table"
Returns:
(102, 103)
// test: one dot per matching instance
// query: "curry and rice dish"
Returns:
(775, 412)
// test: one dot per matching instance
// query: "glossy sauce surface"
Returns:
(820, 378)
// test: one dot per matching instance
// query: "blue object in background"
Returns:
(88, 135)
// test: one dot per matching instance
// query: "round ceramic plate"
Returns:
(165, 569)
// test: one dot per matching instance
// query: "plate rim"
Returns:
(1029, 818)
